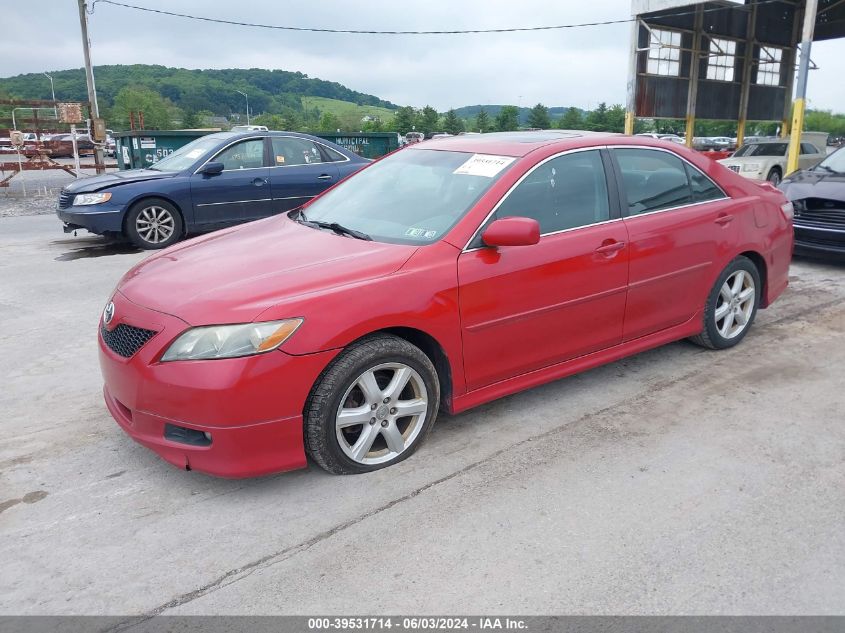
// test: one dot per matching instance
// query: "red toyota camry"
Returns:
(446, 275)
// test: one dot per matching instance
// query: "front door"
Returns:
(528, 307)
(239, 193)
(300, 171)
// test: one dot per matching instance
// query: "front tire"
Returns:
(153, 223)
(731, 305)
(372, 407)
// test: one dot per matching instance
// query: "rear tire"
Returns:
(371, 407)
(731, 305)
(153, 223)
(774, 176)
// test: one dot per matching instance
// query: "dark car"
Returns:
(61, 145)
(216, 181)
(818, 196)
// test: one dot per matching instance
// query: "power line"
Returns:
(374, 32)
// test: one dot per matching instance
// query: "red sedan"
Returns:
(446, 275)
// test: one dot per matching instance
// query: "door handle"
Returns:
(258, 182)
(611, 248)
(724, 220)
(324, 177)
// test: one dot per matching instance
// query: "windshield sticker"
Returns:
(280, 160)
(485, 165)
(420, 233)
(194, 153)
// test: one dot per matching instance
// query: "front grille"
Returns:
(734, 168)
(126, 340)
(822, 213)
(65, 199)
(820, 241)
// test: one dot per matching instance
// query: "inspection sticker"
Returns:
(420, 233)
(485, 165)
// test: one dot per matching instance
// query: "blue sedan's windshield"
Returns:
(411, 197)
(186, 156)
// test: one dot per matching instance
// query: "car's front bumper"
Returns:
(251, 407)
(820, 242)
(96, 218)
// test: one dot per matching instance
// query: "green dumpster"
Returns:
(368, 145)
(141, 148)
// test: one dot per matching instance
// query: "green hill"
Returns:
(345, 109)
(192, 90)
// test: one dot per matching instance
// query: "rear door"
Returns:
(528, 307)
(240, 192)
(810, 156)
(300, 170)
(678, 222)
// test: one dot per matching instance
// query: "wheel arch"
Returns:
(432, 348)
(760, 263)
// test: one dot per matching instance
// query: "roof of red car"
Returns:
(513, 143)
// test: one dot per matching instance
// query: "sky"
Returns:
(573, 67)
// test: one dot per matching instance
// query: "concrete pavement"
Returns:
(679, 481)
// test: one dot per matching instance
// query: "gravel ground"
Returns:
(35, 192)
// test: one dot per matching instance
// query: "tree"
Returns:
(616, 118)
(158, 112)
(452, 123)
(538, 117)
(571, 120)
(404, 120)
(429, 120)
(508, 119)
(597, 119)
(482, 121)
(329, 122)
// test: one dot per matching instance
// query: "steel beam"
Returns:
(695, 63)
(801, 86)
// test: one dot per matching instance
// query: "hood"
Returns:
(232, 276)
(95, 183)
(815, 183)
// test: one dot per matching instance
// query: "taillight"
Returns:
(788, 210)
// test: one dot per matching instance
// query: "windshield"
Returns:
(835, 162)
(410, 197)
(761, 149)
(187, 155)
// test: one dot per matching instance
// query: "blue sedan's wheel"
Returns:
(153, 223)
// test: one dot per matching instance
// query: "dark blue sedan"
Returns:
(216, 181)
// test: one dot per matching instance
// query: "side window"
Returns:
(334, 155)
(808, 148)
(289, 151)
(564, 193)
(703, 188)
(653, 180)
(243, 155)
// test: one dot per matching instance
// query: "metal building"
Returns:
(724, 59)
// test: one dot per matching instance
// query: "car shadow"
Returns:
(87, 247)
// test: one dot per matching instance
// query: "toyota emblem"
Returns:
(108, 313)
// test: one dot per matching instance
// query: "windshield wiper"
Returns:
(333, 226)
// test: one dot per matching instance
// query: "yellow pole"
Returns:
(740, 132)
(801, 90)
(629, 123)
(690, 130)
(795, 138)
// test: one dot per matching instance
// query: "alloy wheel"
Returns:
(155, 224)
(735, 304)
(382, 413)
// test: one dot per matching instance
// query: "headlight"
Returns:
(751, 167)
(91, 198)
(230, 341)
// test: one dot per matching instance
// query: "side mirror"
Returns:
(211, 169)
(512, 231)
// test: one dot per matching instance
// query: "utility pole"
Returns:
(801, 88)
(53, 92)
(246, 96)
(93, 109)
